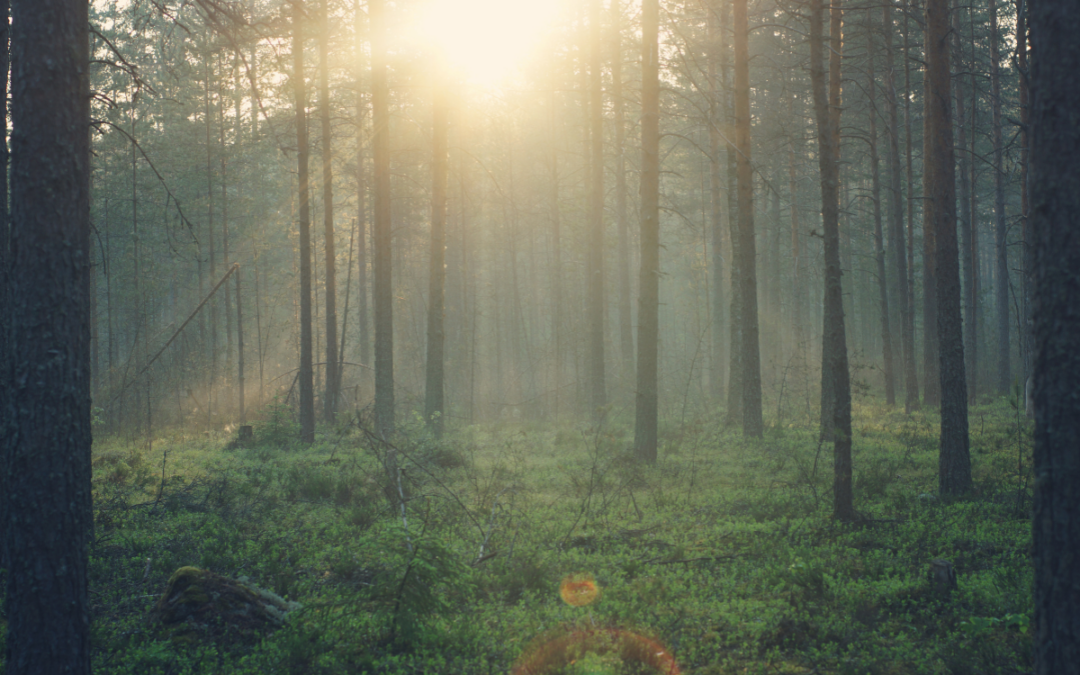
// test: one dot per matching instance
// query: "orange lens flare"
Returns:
(554, 652)
(578, 590)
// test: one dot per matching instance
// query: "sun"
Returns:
(484, 41)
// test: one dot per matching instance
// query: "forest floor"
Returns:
(723, 555)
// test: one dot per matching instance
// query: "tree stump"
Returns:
(942, 577)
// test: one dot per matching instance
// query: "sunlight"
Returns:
(484, 40)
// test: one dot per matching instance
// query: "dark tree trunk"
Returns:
(1001, 275)
(595, 281)
(333, 377)
(1028, 251)
(911, 377)
(46, 453)
(433, 392)
(750, 361)
(1055, 201)
(5, 277)
(896, 209)
(879, 235)
(383, 291)
(834, 363)
(954, 465)
(931, 346)
(307, 385)
(645, 421)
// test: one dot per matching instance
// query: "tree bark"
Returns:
(954, 462)
(834, 363)
(46, 453)
(306, 377)
(1055, 201)
(383, 291)
(645, 420)
(750, 360)
(333, 377)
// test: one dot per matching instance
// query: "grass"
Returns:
(724, 552)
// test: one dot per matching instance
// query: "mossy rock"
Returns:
(200, 603)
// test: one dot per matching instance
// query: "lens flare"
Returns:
(565, 647)
(578, 590)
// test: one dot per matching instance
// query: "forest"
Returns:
(579, 336)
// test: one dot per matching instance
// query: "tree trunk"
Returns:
(966, 217)
(46, 452)
(911, 377)
(879, 235)
(433, 392)
(716, 206)
(896, 206)
(363, 331)
(1001, 276)
(1055, 201)
(595, 281)
(383, 291)
(626, 331)
(1028, 250)
(645, 421)
(306, 377)
(333, 377)
(954, 464)
(834, 363)
(750, 375)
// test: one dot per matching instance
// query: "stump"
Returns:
(942, 577)
(246, 434)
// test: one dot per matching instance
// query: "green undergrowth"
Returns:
(724, 552)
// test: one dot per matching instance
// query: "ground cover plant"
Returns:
(723, 554)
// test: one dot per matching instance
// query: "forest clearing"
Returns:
(724, 552)
(539, 336)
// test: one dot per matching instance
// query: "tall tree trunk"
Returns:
(333, 377)
(834, 363)
(798, 293)
(306, 381)
(5, 274)
(433, 392)
(748, 302)
(966, 216)
(836, 46)
(595, 282)
(1055, 201)
(363, 330)
(383, 291)
(1001, 276)
(213, 347)
(716, 207)
(896, 207)
(911, 377)
(954, 464)
(735, 340)
(46, 452)
(239, 350)
(931, 344)
(879, 235)
(1028, 251)
(626, 331)
(645, 421)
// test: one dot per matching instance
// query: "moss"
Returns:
(198, 602)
